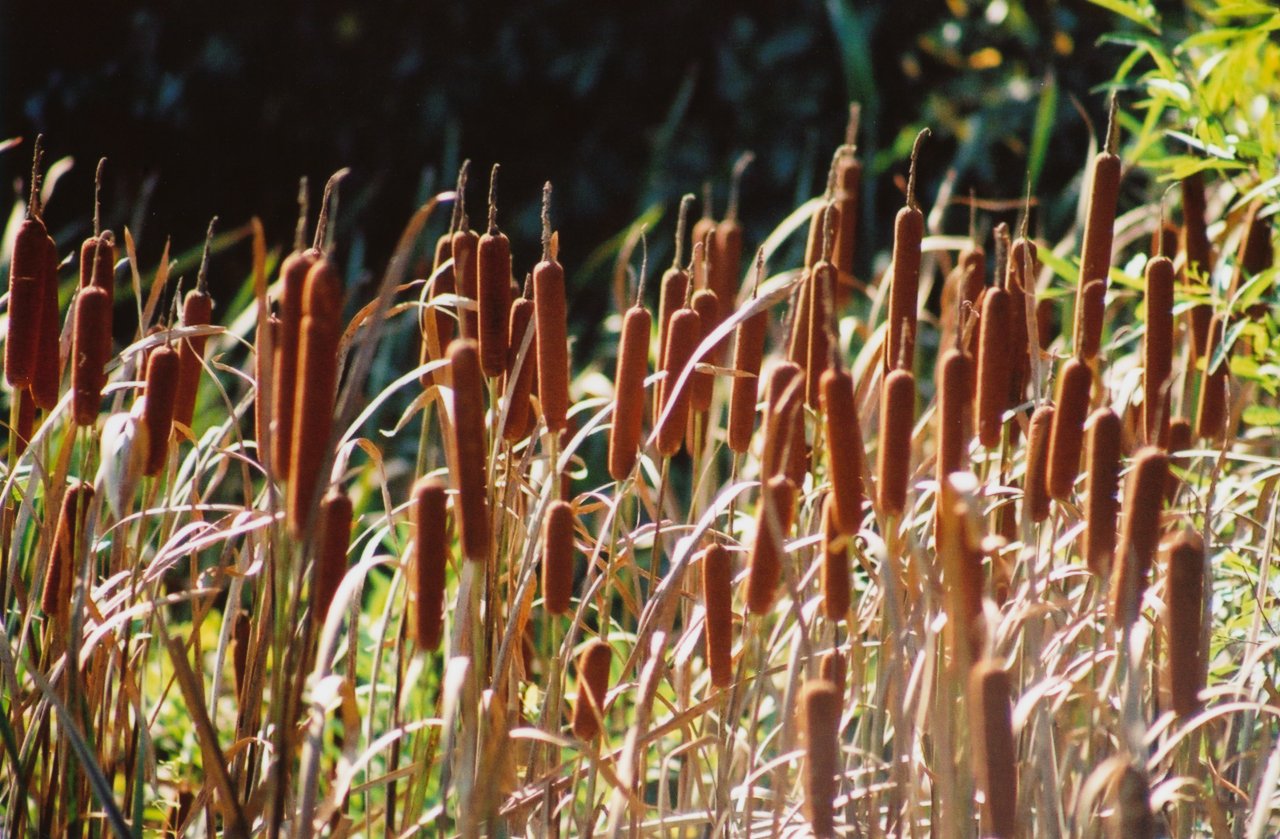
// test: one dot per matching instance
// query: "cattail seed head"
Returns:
(959, 547)
(821, 706)
(553, 342)
(46, 379)
(1036, 490)
(1179, 440)
(717, 592)
(240, 641)
(1091, 303)
(1130, 798)
(773, 522)
(334, 537)
(835, 565)
(995, 753)
(157, 414)
(628, 397)
(26, 272)
(430, 559)
(557, 558)
(464, 245)
(821, 328)
(748, 352)
(1103, 434)
(1197, 254)
(832, 668)
(593, 686)
(904, 291)
(706, 303)
(674, 290)
(90, 351)
(293, 280)
(68, 535)
(98, 262)
(520, 420)
(1023, 266)
(955, 412)
(317, 389)
(1095, 253)
(682, 339)
(844, 450)
(783, 395)
(993, 366)
(1067, 439)
(1184, 611)
(197, 310)
(1046, 310)
(493, 270)
(468, 448)
(897, 417)
(1139, 533)
(1157, 349)
(1211, 412)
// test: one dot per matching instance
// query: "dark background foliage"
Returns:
(218, 108)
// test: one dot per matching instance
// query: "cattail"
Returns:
(628, 395)
(835, 565)
(26, 271)
(1021, 274)
(1157, 349)
(1130, 793)
(1184, 609)
(674, 289)
(443, 282)
(157, 413)
(46, 379)
(717, 593)
(832, 668)
(1255, 254)
(463, 245)
(844, 449)
(725, 247)
(1198, 256)
(955, 413)
(773, 522)
(783, 393)
(1036, 491)
(593, 686)
(1104, 444)
(520, 418)
(334, 538)
(820, 704)
(1045, 311)
(293, 281)
(469, 462)
(551, 311)
(240, 641)
(1067, 439)
(904, 288)
(197, 310)
(701, 384)
(557, 558)
(960, 296)
(1139, 533)
(26, 421)
(848, 187)
(893, 463)
(317, 389)
(960, 552)
(993, 366)
(748, 351)
(1179, 440)
(430, 557)
(1095, 254)
(68, 535)
(703, 231)
(266, 333)
(995, 753)
(1211, 413)
(821, 296)
(90, 351)
(493, 273)
(97, 262)
(682, 340)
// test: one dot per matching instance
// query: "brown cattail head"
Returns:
(1046, 311)
(1197, 255)
(241, 632)
(994, 364)
(1074, 381)
(90, 351)
(334, 538)
(493, 275)
(848, 187)
(553, 341)
(46, 380)
(960, 293)
(1095, 253)
(26, 273)
(783, 394)
(725, 246)
(98, 262)
(1184, 612)
(520, 418)
(703, 229)
(1139, 533)
(430, 558)
(593, 686)
(157, 414)
(1036, 490)
(682, 339)
(904, 289)
(1179, 440)
(893, 462)
(748, 352)
(68, 535)
(821, 707)
(1129, 792)
(833, 669)
(464, 245)
(1211, 412)
(1103, 432)
(1023, 266)
(844, 450)
(317, 389)
(293, 281)
(468, 448)
(1157, 349)
(835, 565)
(1256, 253)
(773, 522)
(197, 310)
(821, 328)
(706, 303)
(628, 396)
(717, 592)
(955, 412)
(557, 558)
(444, 281)
(995, 752)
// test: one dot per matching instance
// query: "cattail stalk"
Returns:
(717, 593)
(821, 707)
(430, 559)
(893, 462)
(593, 686)
(469, 468)
(1139, 533)
(1103, 433)
(1067, 440)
